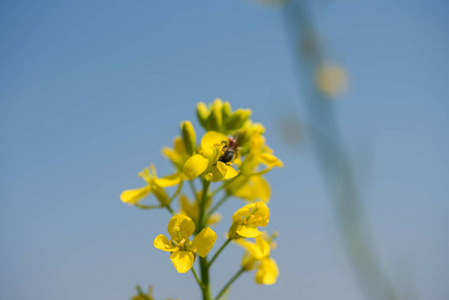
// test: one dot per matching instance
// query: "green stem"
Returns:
(143, 206)
(178, 190)
(219, 203)
(192, 186)
(204, 265)
(170, 209)
(203, 205)
(219, 250)
(197, 279)
(207, 293)
(227, 285)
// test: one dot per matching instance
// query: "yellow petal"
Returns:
(214, 219)
(230, 173)
(169, 180)
(267, 272)
(270, 160)
(247, 231)
(259, 211)
(261, 215)
(180, 223)
(195, 165)
(263, 246)
(243, 212)
(145, 174)
(190, 209)
(162, 243)
(252, 248)
(212, 139)
(204, 241)
(182, 260)
(134, 196)
(174, 157)
(221, 166)
(261, 188)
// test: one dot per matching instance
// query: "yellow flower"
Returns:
(206, 162)
(259, 153)
(178, 155)
(246, 220)
(257, 255)
(192, 210)
(183, 252)
(251, 188)
(154, 185)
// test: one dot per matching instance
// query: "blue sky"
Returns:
(90, 91)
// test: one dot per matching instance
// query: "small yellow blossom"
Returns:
(206, 162)
(178, 155)
(259, 153)
(251, 188)
(257, 255)
(183, 252)
(246, 220)
(154, 185)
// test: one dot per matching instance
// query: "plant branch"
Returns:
(228, 284)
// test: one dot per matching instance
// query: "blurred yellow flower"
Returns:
(154, 185)
(257, 255)
(183, 252)
(331, 79)
(246, 220)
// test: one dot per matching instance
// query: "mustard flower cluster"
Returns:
(232, 154)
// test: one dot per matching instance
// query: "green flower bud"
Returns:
(202, 112)
(215, 120)
(238, 118)
(226, 111)
(232, 233)
(188, 136)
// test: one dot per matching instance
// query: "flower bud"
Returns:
(188, 136)
(215, 120)
(226, 111)
(202, 113)
(238, 118)
(248, 261)
(232, 233)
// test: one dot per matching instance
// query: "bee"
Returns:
(229, 150)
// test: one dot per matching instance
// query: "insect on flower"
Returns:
(229, 150)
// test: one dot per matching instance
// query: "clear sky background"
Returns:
(90, 91)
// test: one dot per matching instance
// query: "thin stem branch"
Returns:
(143, 206)
(178, 190)
(218, 252)
(192, 186)
(203, 205)
(219, 203)
(227, 285)
(224, 185)
(168, 207)
(197, 279)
